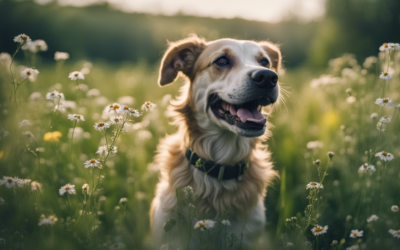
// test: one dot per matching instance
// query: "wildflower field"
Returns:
(77, 140)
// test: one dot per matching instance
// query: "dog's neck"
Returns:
(219, 145)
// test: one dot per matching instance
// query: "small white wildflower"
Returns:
(335, 242)
(130, 111)
(35, 96)
(115, 107)
(373, 217)
(93, 93)
(384, 119)
(40, 44)
(61, 56)
(22, 182)
(314, 185)
(379, 126)
(353, 247)
(5, 58)
(91, 163)
(394, 209)
(226, 222)
(351, 99)
(51, 220)
(123, 200)
(366, 167)
(395, 233)
(355, 233)
(76, 75)
(85, 188)
(315, 144)
(104, 149)
(118, 120)
(22, 38)
(24, 123)
(384, 156)
(70, 189)
(3, 134)
(148, 106)
(386, 76)
(374, 116)
(317, 230)
(394, 46)
(75, 117)
(28, 134)
(54, 95)
(204, 224)
(101, 125)
(2, 201)
(35, 186)
(289, 244)
(30, 73)
(384, 102)
(8, 181)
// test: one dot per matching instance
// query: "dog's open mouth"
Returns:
(246, 115)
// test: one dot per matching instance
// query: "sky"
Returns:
(259, 10)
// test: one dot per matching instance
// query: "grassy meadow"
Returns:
(330, 111)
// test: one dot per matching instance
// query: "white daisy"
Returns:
(366, 167)
(22, 38)
(353, 247)
(40, 44)
(115, 107)
(385, 119)
(123, 200)
(148, 106)
(35, 96)
(24, 123)
(395, 233)
(54, 95)
(93, 93)
(8, 181)
(61, 56)
(394, 209)
(76, 75)
(75, 117)
(30, 73)
(104, 149)
(85, 188)
(386, 76)
(355, 233)
(35, 186)
(384, 156)
(226, 222)
(70, 189)
(317, 230)
(134, 112)
(384, 102)
(385, 47)
(314, 185)
(315, 144)
(22, 182)
(204, 224)
(5, 58)
(101, 125)
(374, 116)
(373, 217)
(51, 220)
(118, 120)
(91, 163)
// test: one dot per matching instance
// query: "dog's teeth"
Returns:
(221, 111)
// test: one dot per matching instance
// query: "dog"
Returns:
(218, 148)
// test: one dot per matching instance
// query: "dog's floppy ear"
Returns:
(274, 53)
(180, 57)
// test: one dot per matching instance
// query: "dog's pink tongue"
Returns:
(252, 115)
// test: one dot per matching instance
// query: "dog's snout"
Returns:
(264, 78)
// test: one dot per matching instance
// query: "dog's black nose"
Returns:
(264, 78)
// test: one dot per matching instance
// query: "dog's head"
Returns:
(230, 81)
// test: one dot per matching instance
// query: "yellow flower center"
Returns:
(147, 103)
(126, 108)
(355, 234)
(116, 120)
(201, 224)
(385, 117)
(313, 183)
(385, 100)
(100, 124)
(52, 93)
(132, 110)
(67, 188)
(365, 165)
(385, 45)
(42, 216)
(76, 74)
(84, 187)
(77, 116)
(398, 232)
(92, 161)
(116, 106)
(384, 153)
(28, 73)
(318, 229)
(385, 73)
(24, 37)
(9, 179)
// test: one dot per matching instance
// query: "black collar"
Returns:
(222, 172)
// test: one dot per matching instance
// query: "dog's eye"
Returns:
(264, 62)
(222, 61)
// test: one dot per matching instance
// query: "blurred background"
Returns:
(121, 42)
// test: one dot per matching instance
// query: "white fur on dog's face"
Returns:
(232, 84)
